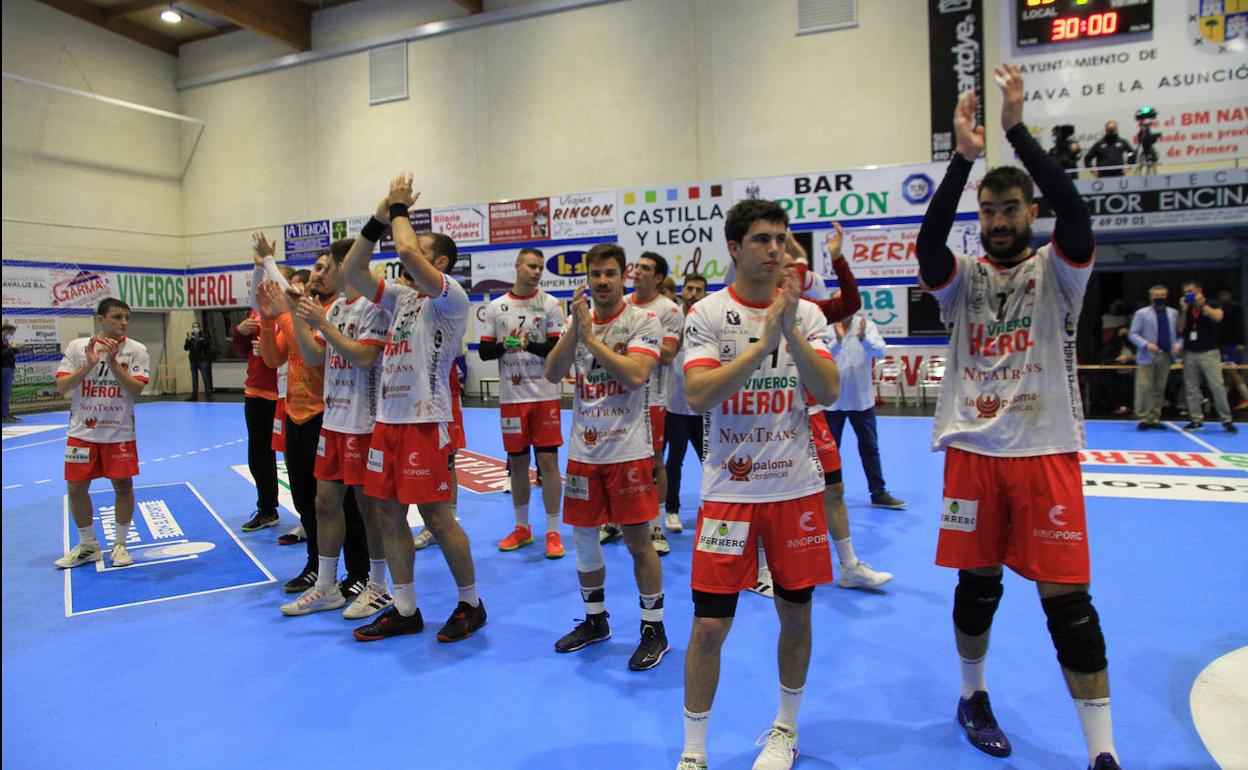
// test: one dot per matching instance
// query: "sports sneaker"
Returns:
(659, 541)
(83, 553)
(592, 629)
(1105, 761)
(315, 599)
(885, 500)
(672, 522)
(423, 540)
(652, 647)
(860, 575)
(370, 601)
(1229, 427)
(688, 762)
(352, 586)
(261, 519)
(779, 748)
(520, 536)
(464, 620)
(608, 532)
(507, 486)
(120, 556)
(1194, 425)
(1143, 425)
(554, 546)
(293, 537)
(975, 716)
(302, 582)
(764, 586)
(390, 623)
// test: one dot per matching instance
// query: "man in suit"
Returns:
(1155, 334)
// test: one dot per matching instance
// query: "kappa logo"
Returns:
(1055, 515)
(987, 405)
(443, 487)
(959, 515)
(739, 468)
(805, 521)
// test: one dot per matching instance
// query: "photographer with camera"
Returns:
(1146, 139)
(1065, 150)
(1110, 153)
(1200, 322)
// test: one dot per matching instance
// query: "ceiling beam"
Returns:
(228, 28)
(135, 6)
(121, 26)
(287, 21)
(471, 6)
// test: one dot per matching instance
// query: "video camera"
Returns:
(1146, 139)
(1065, 150)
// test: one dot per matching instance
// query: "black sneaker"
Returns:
(608, 532)
(464, 620)
(1194, 425)
(1144, 425)
(651, 648)
(303, 581)
(885, 500)
(592, 629)
(1105, 761)
(975, 716)
(1229, 427)
(390, 623)
(351, 586)
(261, 519)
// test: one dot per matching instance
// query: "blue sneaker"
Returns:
(975, 716)
(1105, 761)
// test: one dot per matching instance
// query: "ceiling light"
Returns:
(170, 15)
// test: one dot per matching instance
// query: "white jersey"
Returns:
(758, 446)
(673, 323)
(422, 342)
(101, 409)
(521, 375)
(813, 287)
(1011, 387)
(610, 423)
(351, 392)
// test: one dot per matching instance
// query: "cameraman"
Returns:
(1110, 153)
(1066, 150)
(201, 353)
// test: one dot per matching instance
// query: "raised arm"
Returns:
(848, 301)
(412, 254)
(355, 266)
(935, 259)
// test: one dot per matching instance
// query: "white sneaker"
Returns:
(370, 601)
(690, 762)
(120, 556)
(659, 541)
(672, 522)
(764, 587)
(860, 575)
(423, 540)
(779, 749)
(507, 486)
(315, 600)
(83, 553)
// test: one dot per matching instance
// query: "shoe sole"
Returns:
(851, 586)
(889, 507)
(273, 523)
(362, 638)
(128, 561)
(587, 643)
(558, 555)
(296, 589)
(99, 556)
(656, 662)
(294, 613)
(516, 547)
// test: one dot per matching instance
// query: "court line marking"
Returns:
(1200, 441)
(34, 443)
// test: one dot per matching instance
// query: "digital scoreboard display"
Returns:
(1053, 22)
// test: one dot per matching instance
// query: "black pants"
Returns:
(681, 429)
(301, 443)
(204, 369)
(261, 458)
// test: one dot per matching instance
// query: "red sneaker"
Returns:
(554, 546)
(520, 536)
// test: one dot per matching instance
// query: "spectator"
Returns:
(1118, 381)
(201, 352)
(10, 367)
(1114, 317)
(1200, 324)
(1110, 153)
(1231, 340)
(1154, 332)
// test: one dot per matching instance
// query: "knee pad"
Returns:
(832, 477)
(588, 549)
(800, 596)
(975, 602)
(546, 450)
(1076, 631)
(709, 605)
(524, 455)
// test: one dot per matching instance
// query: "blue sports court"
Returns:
(183, 659)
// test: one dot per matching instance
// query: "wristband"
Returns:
(373, 229)
(397, 210)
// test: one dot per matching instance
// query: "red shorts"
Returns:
(456, 426)
(829, 456)
(794, 535)
(1024, 512)
(342, 457)
(623, 493)
(408, 463)
(279, 426)
(86, 460)
(658, 417)
(535, 423)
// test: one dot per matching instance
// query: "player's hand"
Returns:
(248, 325)
(277, 299)
(834, 241)
(582, 320)
(401, 191)
(1152, 347)
(109, 348)
(1010, 78)
(862, 328)
(93, 353)
(309, 311)
(967, 134)
(791, 289)
(383, 210)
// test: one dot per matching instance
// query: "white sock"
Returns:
(973, 676)
(122, 533)
(405, 599)
(468, 594)
(695, 733)
(552, 522)
(86, 535)
(326, 571)
(845, 552)
(789, 701)
(377, 572)
(522, 515)
(1098, 730)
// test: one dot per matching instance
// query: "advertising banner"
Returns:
(582, 215)
(955, 32)
(421, 219)
(685, 224)
(38, 345)
(468, 225)
(304, 240)
(494, 271)
(888, 307)
(522, 220)
(889, 251)
(1190, 198)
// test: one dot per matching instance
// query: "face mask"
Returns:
(1190, 297)
(195, 329)
(1159, 301)
(1111, 134)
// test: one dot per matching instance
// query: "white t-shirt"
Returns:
(1011, 387)
(673, 323)
(521, 375)
(424, 337)
(759, 447)
(351, 392)
(853, 356)
(610, 423)
(101, 410)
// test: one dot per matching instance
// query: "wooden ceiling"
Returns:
(289, 22)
